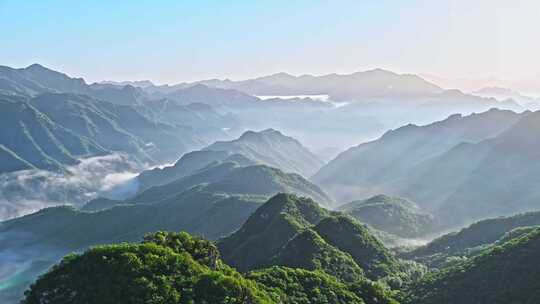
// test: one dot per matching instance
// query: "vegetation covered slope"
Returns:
(117, 127)
(236, 175)
(295, 232)
(38, 240)
(274, 149)
(393, 215)
(196, 211)
(502, 181)
(30, 139)
(368, 252)
(267, 147)
(461, 170)
(268, 230)
(385, 165)
(188, 164)
(178, 269)
(300, 286)
(478, 235)
(308, 250)
(509, 273)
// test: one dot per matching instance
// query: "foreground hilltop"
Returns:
(337, 261)
(292, 251)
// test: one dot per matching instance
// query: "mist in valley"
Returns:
(268, 153)
(27, 191)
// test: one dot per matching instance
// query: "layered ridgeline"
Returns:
(337, 110)
(179, 268)
(29, 139)
(269, 147)
(506, 273)
(105, 118)
(118, 127)
(361, 84)
(235, 174)
(347, 112)
(454, 168)
(52, 130)
(295, 232)
(212, 202)
(471, 240)
(393, 215)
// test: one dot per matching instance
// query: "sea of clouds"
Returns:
(24, 192)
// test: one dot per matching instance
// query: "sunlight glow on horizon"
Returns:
(173, 42)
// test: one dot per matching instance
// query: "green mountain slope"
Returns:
(31, 139)
(503, 274)
(195, 204)
(502, 181)
(274, 149)
(268, 230)
(117, 127)
(393, 215)
(197, 211)
(178, 268)
(351, 237)
(188, 164)
(293, 231)
(267, 147)
(478, 235)
(166, 268)
(300, 286)
(308, 250)
(385, 165)
(236, 175)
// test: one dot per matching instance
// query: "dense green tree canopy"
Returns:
(144, 273)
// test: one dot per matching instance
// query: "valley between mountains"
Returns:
(390, 190)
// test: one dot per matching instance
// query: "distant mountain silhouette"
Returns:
(460, 168)
(269, 147)
(373, 83)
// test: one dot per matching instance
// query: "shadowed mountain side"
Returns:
(233, 177)
(508, 273)
(295, 232)
(29, 139)
(482, 233)
(447, 168)
(272, 148)
(392, 215)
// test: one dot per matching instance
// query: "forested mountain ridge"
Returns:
(393, 215)
(295, 232)
(470, 240)
(212, 202)
(273, 148)
(502, 274)
(179, 268)
(459, 165)
(107, 118)
(237, 175)
(29, 139)
(267, 147)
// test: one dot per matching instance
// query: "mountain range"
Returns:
(192, 195)
(269, 147)
(460, 169)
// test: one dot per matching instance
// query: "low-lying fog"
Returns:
(24, 192)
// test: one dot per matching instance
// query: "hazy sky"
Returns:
(173, 41)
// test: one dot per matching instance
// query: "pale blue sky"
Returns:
(173, 41)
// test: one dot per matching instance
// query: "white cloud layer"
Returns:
(111, 176)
